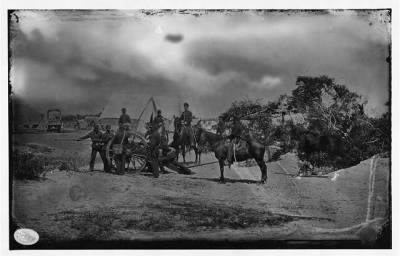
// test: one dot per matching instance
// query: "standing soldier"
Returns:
(124, 118)
(107, 136)
(154, 148)
(97, 146)
(187, 118)
(118, 144)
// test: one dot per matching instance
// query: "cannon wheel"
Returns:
(137, 160)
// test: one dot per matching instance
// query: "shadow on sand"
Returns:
(228, 180)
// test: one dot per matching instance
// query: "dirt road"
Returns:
(81, 205)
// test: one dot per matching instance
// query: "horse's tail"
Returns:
(268, 152)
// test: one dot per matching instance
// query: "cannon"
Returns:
(135, 157)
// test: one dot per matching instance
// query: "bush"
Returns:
(27, 165)
(343, 134)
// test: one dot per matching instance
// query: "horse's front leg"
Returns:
(199, 153)
(221, 169)
(263, 169)
(183, 154)
(196, 152)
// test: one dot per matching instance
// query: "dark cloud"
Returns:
(85, 61)
(174, 38)
(351, 56)
(219, 56)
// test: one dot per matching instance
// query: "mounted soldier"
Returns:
(124, 118)
(159, 119)
(221, 126)
(235, 138)
(98, 145)
(186, 119)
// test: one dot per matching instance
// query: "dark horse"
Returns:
(181, 140)
(255, 150)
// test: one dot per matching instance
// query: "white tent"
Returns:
(139, 117)
(148, 113)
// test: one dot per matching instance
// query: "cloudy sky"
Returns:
(84, 61)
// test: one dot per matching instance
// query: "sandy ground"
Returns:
(348, 204)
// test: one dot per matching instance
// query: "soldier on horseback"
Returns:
(124, 118)
(237, 130)
(187, 118)
(159, 119)
(221, 126)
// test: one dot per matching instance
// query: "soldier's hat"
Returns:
(186, 104)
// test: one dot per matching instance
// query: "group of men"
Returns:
(101, 139)
(99, 143)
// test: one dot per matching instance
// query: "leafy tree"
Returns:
(329, 109)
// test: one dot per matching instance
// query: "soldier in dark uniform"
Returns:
(159, 119)
(187, 118)
(124, 118)
(159, 122)
(118, 142)
(107, 136)
(236, 132)
(154, 146)
(97, 146)
(221, 126)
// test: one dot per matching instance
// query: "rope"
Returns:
(140, 116)
(234, 151)
(371, 188)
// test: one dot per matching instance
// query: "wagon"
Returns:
(137, 156)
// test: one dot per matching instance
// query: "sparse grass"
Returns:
(27, 165)
(33, 161)
(171, 214)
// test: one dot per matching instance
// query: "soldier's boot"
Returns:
(91, 166)
(162, 169)
(122, 166)
(155, 167)
(106, 166)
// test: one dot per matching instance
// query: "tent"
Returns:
(111, 114)
(148, 113)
